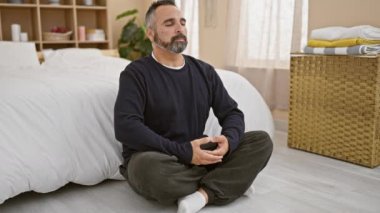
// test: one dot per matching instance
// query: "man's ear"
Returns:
(150, 34)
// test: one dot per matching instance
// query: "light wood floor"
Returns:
(294, 181)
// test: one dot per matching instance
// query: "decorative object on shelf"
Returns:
(56, 29)
(57, 34)
(133, 42)
(49, 36)
(88, 2)
(95, 35)
(54, 1)
(16, 30)
(24, 37)
(15, 1)
(82, 33)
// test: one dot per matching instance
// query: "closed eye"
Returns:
(169, 22)
(183, 22)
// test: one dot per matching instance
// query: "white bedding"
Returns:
(257, 115)
(56, 125)
(56, 122)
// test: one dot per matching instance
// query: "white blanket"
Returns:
(56, 123)
(336, 32)
(257, 115)
(57, 126)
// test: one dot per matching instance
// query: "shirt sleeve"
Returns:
(230, 117)
(130, 129)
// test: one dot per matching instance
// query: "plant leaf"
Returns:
(139, 35)
(144, 46)
(126, 13)
(128, 33)
(125, 52)
(133, 42)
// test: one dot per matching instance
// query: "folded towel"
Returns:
(336, 33)
(341, 43)
(353, 50)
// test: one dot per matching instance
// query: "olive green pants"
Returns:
(161, 177)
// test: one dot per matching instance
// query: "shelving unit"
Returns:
(38, 16)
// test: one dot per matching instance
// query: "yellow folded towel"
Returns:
(341, 42)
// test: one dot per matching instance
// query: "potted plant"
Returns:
(133, 42)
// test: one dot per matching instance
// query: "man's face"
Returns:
(170, 29)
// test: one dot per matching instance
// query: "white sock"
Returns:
(191, 203)
(250, 191)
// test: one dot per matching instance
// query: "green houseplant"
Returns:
(133, 42)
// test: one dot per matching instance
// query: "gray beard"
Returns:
(173, 46)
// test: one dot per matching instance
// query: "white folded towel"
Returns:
(335, 33)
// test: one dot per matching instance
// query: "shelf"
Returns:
(51, 18)
(5, 5)
(93, 42)
(59, 42)
(38, 16)
(48, 6)
(26, 17)
(30, 41)
(91, 7)
(58, 45)
(94, 45)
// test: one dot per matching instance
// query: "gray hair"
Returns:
(149, 16)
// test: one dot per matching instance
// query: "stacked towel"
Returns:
(352, 50)
(363, 39)
(335, 33)
(341, 42)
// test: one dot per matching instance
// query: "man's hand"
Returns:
(204, 157)
(223, 146)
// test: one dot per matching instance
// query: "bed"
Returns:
(56, 118)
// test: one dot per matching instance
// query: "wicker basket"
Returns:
(49, 36)
(335, 107)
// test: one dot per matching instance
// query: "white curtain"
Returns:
(261, 35)
(190, 11)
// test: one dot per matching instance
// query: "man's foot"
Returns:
(192, 203)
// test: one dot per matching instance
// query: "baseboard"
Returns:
(281, 125)
(280, 118)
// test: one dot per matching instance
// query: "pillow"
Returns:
(71, 57)
(71, 54)
(18, 54)
(85, 61)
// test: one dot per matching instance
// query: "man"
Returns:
(160, 115)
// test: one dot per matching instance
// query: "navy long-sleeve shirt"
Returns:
(163, 109)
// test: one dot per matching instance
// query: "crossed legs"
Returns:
(161, 177)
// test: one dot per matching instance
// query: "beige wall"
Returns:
(118, 6)
(322, 13)
(347, 13)
(213, 39)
